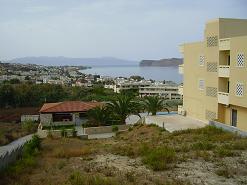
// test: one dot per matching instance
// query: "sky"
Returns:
(126, 29)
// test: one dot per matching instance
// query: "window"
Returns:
(210, 115)
(58, 117)
(211, 91)
(212, 41)
(239, 89)
(201, 84)
(240, 60)
(211, 67)
(201, 60)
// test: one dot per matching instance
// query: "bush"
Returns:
(31, 147)
(204, 145)
(29, 126)
(159, 158)
(114, 128)
(224, 152)
(27, 160)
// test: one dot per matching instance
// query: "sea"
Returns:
(154, 73)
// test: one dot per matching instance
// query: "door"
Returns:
(234, 117)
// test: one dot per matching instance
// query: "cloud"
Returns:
(132, 29)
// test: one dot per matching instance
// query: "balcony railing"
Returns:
(181, 48)
(224, 71)
(180, 90)
(181, 69)
(181, 110)
(224, 44)
(223, 98)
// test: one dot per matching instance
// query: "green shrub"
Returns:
(203, 145)
(27, 160)
(239, 145)
(159, 158)
(32, 146)
(224, 152)
(114, 128)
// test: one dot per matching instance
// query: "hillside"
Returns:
(57, 61)
(170, 62)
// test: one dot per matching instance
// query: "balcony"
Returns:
(224, 44)
(224, 71)
(223, 98)
(181, 48)
(181, 69)
(181, 110)
(180, 90)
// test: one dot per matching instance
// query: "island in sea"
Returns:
(170, 62)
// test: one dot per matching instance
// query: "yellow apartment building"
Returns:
(215, 74)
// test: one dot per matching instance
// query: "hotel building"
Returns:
(215, 74)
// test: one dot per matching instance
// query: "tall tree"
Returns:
(122, 107)
(153, 104)
(99, 116)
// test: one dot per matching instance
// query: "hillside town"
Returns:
(74, 76)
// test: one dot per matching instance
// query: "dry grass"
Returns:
(62, 152)
(156, 150)
(12, 131)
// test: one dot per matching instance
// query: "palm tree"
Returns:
(123, 107)
(99, 116)
(154, 104)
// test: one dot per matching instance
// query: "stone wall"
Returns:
(45, 119)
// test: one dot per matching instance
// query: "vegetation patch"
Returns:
(77, 178)
(159, 158)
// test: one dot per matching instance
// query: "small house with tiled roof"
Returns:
(65, 113)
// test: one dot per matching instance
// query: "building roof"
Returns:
(68, 106)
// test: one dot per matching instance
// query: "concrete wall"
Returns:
(54, 133)
(13, 151)
(29, 118)
(228, 128)
(105, 129)
(193, 97)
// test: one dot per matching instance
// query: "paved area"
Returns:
(173, 122)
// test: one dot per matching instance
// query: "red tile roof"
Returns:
(68, 106)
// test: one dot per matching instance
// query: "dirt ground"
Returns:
(202, 156)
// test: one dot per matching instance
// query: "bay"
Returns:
(154, 73)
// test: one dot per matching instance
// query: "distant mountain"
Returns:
(58, 61)
(170, 62)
